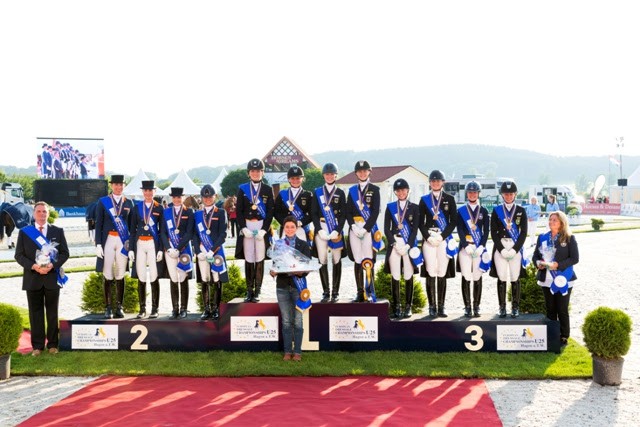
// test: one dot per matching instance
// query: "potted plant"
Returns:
(9, 337)
(607, 335)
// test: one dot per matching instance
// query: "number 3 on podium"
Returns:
(476, 343)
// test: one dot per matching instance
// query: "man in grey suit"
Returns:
(42, 277)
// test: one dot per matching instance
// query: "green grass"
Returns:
(573, 362)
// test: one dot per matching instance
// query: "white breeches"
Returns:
(254, 249)
(508, 271)
(113, 254)
(322, 246)
(146, 257)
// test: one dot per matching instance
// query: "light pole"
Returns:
(620, 146)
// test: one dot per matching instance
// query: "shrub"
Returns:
(383, 290)
(531, 295)
(237, 286)
(53, 215)
(572, 211)
(607, 332)
(597, 223)
(11, 329)
(93, 295)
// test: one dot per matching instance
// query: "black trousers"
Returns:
(40, 301)
(558, 309)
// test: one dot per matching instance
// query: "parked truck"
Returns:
(11, 193)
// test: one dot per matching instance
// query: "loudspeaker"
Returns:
(622, 182)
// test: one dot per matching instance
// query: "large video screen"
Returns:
(70, 158)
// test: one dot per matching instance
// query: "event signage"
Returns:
(353, 328)
(254, 328)
(94, 337)
(521, 337)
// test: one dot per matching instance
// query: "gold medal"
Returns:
(509, 225)
(254, 207)
(473, 226)
(146, 228)
(360, 205)
(327, 208)
(435, 217)
(400, 226)
(290, 208)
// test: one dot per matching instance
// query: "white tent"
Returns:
(133, 188)
(183, 180)
(216, 184)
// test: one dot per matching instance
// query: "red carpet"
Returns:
(24, 346)
(273, 401)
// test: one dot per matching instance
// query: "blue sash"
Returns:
(376, 235)
(304, 301)
(40, 240)
(153, 227)
(404, 232)
(219, 263)
(186, 256)
(247, 190)
(441, 222)
(514, 231)
(121, 227)
(296, 212)
(561, 278)
(329, 218)
(476, 235)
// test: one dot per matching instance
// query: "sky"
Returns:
(173, 85)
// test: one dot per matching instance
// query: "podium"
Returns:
(342, 326)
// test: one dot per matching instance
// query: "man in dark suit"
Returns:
(42, 276)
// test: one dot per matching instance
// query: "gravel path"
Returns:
(607, 275)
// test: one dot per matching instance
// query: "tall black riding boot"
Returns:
(324, 280)
(442, 292)
(515, 299)
(184, 298)
(205, 301)
(142, 299)
(466, 297)
(175, 300)
(155, 299)
(395, 299)
(106, 288)
(250, 278)
(502, 298)
(477, 295)
(431, 295)
(217, 296)
(358, 271)
(335, 287)
(119, 314)
(259, 277)
(408, 294)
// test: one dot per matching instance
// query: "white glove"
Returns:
(202, 256)
(403, 250)
(479, 250)
(132, 256)
(247, 233)
(361, 233)
(210, 255)
(322, 233)
(438, 237)
(333, 235)
(159, 256)
(355, 228)
(433, 241)
(512, 253)
(470, 249)
(173, 253)
(99, 251)
(398, 248)
(261, 234)
(505, 253)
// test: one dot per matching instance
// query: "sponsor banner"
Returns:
(601, 209)
(521, 337)
(254, 328)
(71, 212)
(94, 337)
(353, 328)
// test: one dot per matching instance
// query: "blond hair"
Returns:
(564, 233)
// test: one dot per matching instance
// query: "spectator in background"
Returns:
(533, 215)
(552, 206)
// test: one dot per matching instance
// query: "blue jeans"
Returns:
(291, 319)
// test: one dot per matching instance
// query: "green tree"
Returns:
(312, 179)
(230, 183)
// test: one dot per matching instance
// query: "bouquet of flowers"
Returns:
(47, 254)
(287, 259)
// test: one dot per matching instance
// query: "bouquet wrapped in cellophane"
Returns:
(287, 259)
(48, 254)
